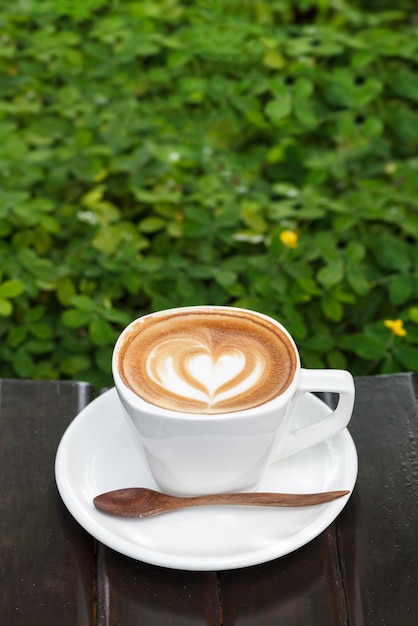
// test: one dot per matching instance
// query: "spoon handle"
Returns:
(266, 499)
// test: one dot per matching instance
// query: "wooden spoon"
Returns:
(141, 502)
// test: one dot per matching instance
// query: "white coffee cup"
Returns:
(201, 420)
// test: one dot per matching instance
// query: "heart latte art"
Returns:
(193, 369)
(206, 361)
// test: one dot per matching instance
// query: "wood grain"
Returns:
(133, 593)
(377, 532)
(144, 502)
(302, 588)
(47, 561)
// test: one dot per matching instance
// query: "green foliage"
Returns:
(153, 154)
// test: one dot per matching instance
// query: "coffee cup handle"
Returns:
(340, 382)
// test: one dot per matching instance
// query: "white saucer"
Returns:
(96, 454)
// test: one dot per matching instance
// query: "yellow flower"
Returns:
(396, 326)
(390, 168)
(289, 238)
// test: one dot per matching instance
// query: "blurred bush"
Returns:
(252, 153)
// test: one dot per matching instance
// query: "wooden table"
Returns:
(361, 571)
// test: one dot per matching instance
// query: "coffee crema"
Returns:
(206, 360)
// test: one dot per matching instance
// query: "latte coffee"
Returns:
(206, 360)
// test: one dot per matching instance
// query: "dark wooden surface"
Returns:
(46, 561)
(362, 571)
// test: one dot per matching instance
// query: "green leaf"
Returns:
(46, 369)
(251, 215)
(103, 358)
(302, 89)
(41, 330)
(226, 278)
(325, 240)
(17, 335)
(313, 360)
(358, 281)
(74, 318)
(185, 287)
(355, 252)
(408, 357)
(331, 275)
(295, 322)
(273, 58)
(23, 363)
(150, 264)
(117, 316)
(131, 281)
(368, 346)
(309, 285)
(84, 303)
(394, 253)
(11, 288)
(34, 314)
(101, 332)
(151, 224)
(413, 314)
(65, 291)
(39, 346)
(319, 343)
(107, 239)
(412, 335)
(332, 309)
(75, 364)
(279, 108)
(336, 360)
(303, 106)
(404, 84)
(400, 289)
(305, 115)
(6, 307)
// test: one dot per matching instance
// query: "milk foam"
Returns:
(206, 360)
